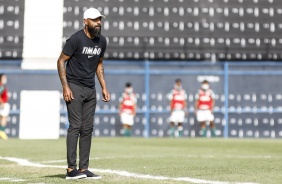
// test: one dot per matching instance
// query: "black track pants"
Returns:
(81, 112)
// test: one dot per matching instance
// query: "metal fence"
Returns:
(248, 96)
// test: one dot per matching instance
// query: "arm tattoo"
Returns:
(100, 75)
(62, 73)
(100, 72)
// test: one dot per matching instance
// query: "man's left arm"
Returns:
(134, 110)
(101, 78)
(2, 90)
(1, 103)
(212, 101)
(212, 105)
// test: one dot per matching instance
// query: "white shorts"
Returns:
(177, 116)
(127, 119)
(5, 111)
(204, 115)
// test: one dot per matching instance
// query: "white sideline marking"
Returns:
(101, 158)
(12, 179)
(25, 162)
(158, 156)
(54, 161)
(17, 180)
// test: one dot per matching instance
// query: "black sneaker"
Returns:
(75, 174)
(91, 175)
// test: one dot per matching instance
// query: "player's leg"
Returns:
(85, 139)
(201, 117)
(125, 124)
(172, 123)
(3, 120)
(3, 123)
(180, 129)
(213, 129)
(212, 125)
(126, 131)
(180, 120)
(130, 123)
(172, 129)
(203, 129)
(129, 130)
(75, 121)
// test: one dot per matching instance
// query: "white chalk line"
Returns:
(25, 162)
(106, 158)
(12, 179)
(163, 156)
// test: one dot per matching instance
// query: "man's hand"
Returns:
(134, 113)
(106, 95)
(67, 93)
(186, 112)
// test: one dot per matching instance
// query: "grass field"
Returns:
(147, 161)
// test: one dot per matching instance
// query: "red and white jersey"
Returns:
(4, 94)
(128, 102)
(205, 99)
(177, 98)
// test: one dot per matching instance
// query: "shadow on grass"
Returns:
(63, 176)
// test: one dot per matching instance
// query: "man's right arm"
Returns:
(67, 93)
(1, 103)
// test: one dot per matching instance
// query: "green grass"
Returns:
(224, 160)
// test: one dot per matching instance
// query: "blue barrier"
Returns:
(147, 71)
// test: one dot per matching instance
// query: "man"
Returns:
(204, 108)
(178, 107)
(127, 109)
(4, 106)
(84, 52)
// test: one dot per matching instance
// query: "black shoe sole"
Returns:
(76, 177)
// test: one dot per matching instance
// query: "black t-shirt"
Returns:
(85, 54)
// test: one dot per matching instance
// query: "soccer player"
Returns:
(4, 106)
(204, 108)
(127, 109)
(178, 107)
(83, 52)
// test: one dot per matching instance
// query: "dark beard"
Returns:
(94, 32)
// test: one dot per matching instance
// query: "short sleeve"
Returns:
(70, 47)
(212, 94)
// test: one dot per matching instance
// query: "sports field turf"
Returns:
(147, 161)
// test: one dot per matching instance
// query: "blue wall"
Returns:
(252, 108)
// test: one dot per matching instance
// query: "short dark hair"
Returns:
(128, 84)
(205, 81)
(1, 75)
(177, 80)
